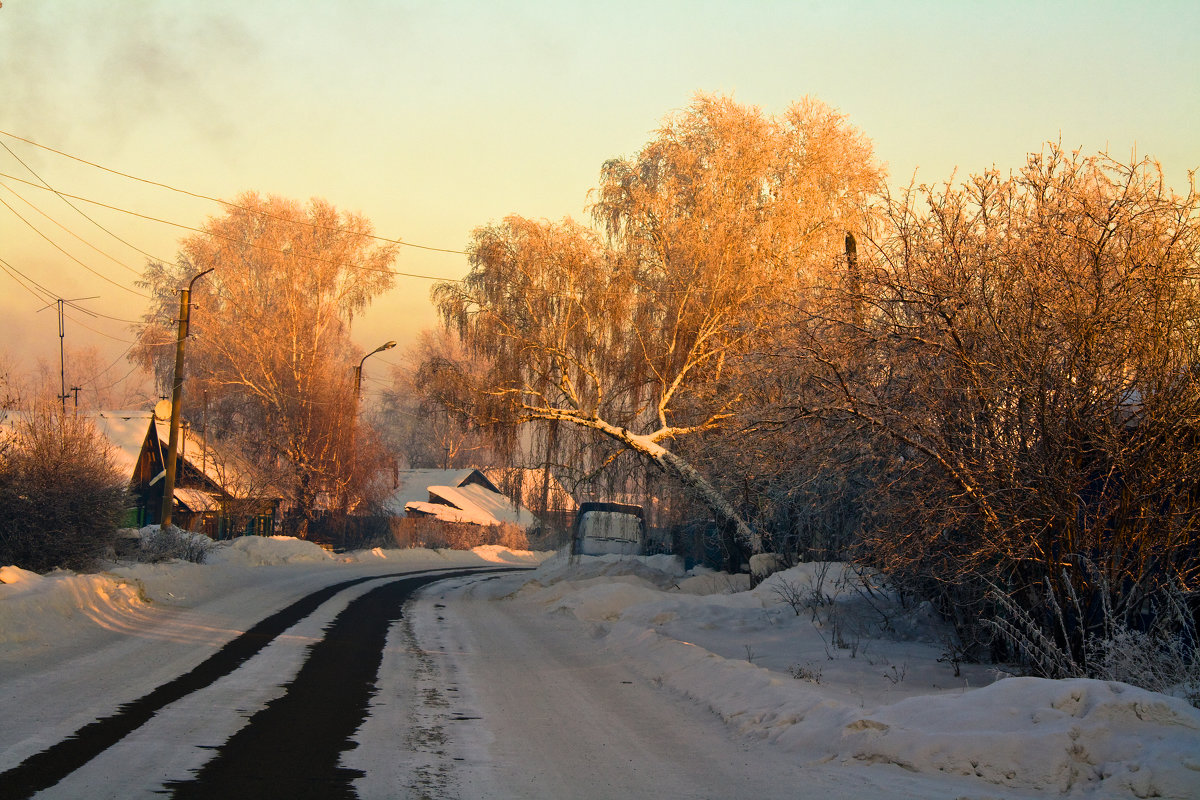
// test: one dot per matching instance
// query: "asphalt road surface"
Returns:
(428, 685)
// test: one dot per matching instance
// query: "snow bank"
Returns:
(41, 614)
(1036, 733)
(421, 557)
(263, 551)
(45, 608)
(847, 675)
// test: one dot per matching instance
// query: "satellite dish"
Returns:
(162, 410)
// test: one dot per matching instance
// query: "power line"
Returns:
(68, 255)
(47, 295)
(10, 269)
(79, 211)
(68, 231)
(226, 203)
(222, 236)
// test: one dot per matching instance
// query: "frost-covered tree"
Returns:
(1028, 351)
(270, 352)
(640, 331)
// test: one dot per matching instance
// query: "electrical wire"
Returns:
(68, 255)
(9, 270)
(226, 238)
(67, 230)
(80, 212)
(225, 203)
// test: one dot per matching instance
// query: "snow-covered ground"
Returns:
(813, 664)
(827, 667)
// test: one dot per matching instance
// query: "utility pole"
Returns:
(358, 370)
(62, 361)
(855, 278)
(168, 503)
(345, 499)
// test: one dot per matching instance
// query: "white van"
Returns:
(609, 528)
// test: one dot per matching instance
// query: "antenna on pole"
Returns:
(62, 333)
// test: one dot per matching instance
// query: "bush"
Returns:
(418, 531)
(1159, 651)
(61, 497)
(172, 543)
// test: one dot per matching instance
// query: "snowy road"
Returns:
(336, 693)
(266, 715)
(318, 679)
(514, 705)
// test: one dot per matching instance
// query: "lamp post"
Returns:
(345, 496)
(176, 403)
(358, 370)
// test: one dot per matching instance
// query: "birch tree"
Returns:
(638, 329)
(270, 355)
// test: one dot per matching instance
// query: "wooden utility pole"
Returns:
(176, 403)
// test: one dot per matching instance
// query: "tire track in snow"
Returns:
(293, 746)
(46, 768)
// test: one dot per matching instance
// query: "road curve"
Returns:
(351, 663)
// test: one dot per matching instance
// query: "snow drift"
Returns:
(842, 673)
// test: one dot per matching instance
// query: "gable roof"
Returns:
(454, 495)
(491, 508)
(412, 486)
(126, 431)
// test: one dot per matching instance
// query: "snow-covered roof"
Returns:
(126, 431)
(412, 485)
(196, 500)
(482, 503)
(234, 475)
(447, 513)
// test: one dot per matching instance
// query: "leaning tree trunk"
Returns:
(694, 482)
(691, 480)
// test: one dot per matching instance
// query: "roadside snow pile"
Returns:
(41, 614)
(497, 554)
(823, 662)
(422, 557)
(267, 551)
(1035, 733)
(44, 608)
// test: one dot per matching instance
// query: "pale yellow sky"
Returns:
(433, 118)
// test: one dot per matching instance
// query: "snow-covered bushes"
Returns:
(60, 496)
(1162, 654)
(166, 544)
(416, 531)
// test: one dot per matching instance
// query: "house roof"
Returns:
(482, 503)
(412, 486)
(455, 495)
(126, 431)
(235, 475)
(447, 513)
(196, 500)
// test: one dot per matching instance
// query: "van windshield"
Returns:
(611, 525)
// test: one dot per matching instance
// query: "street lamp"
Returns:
(345, 497)
(176, 404)
(358, 369)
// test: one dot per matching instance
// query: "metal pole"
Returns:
(62, 369)
(358, 370)
(345, 499)
(176, 404)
